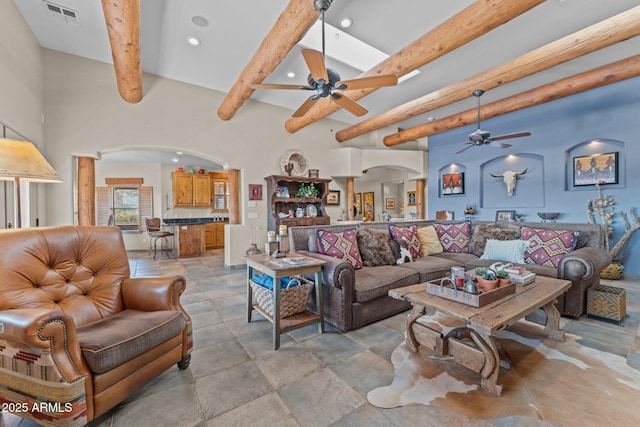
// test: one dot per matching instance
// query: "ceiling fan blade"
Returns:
(369, 82)
(278, 86)
(510, 135)
(349, 104)
(306, 106)
(502, 144)
(315, 62)
(466, 148)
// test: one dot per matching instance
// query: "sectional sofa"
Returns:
(354, 296)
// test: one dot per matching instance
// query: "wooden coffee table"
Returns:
(474, 345)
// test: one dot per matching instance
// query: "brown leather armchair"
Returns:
(77, 334)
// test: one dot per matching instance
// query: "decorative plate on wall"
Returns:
(297, 159)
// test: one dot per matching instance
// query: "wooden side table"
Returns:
(292, 265)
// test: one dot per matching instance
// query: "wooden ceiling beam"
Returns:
(612, 73)
(123, 25)
(288, 30)
(603, 34)
(479, 18)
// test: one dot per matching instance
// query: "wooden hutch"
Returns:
(282, 189)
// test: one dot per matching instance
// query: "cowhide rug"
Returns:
(562, 382)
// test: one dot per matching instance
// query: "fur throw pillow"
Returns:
(374, 247)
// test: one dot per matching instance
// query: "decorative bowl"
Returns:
(548, 215)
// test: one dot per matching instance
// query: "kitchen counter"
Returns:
(193, 236)
(203, 220)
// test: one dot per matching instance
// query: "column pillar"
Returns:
(351, 197)
(86, 191)
(420, 198)
(234, 196)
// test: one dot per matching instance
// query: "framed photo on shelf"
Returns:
(411, 198)
(368, 206)
(595, 169)
(333, 197)
(505, 216)
(390, 203)
(452, 183)
(255, 191)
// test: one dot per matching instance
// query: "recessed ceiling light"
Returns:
(179, 153)
(174, 159)
(346, 22)
(200, 21)
(193, 41)
(291, 74)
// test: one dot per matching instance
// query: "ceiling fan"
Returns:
(480, 137)
(326, 82)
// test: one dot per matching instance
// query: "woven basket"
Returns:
(293, 299)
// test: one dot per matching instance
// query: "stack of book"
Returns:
(520, 275)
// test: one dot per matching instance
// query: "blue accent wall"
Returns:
(602, 120)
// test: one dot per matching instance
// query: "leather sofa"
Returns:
(356, 297)
(77, 333)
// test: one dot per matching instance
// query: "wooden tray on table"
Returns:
(484, 298)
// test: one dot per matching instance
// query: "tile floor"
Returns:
(237, 379)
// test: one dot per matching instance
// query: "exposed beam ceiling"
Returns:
(603, 34)
(290, 27)
(618, 71)
(460, 39)
(123, 25)
(469, 24)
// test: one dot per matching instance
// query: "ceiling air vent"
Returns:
(61, 12)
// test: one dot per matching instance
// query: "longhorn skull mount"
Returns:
(509, 178)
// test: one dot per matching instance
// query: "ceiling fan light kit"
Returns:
(326, 82)
(482, 137)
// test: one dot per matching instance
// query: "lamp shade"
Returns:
(21, 159)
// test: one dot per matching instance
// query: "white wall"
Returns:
(21, 104)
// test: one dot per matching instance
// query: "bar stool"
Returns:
(155, 231)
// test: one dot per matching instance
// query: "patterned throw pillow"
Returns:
(546, 247)
(454, 237)
(374, 247)
(410, 234)
(342, 245)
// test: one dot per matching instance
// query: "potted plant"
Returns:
(503, 278)
(488, 280)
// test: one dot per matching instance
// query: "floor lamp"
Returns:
(21, 161)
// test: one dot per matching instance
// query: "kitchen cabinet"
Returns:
(191, 190)
(214, 235)
(282, 192)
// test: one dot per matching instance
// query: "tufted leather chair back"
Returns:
(75, 269)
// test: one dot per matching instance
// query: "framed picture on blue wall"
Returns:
(595, 169)
(452, 183)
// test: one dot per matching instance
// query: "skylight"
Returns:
(346, 48)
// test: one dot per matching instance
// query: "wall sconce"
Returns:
(21, 161)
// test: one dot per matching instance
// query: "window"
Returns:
(127, 200)
(126, 208)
